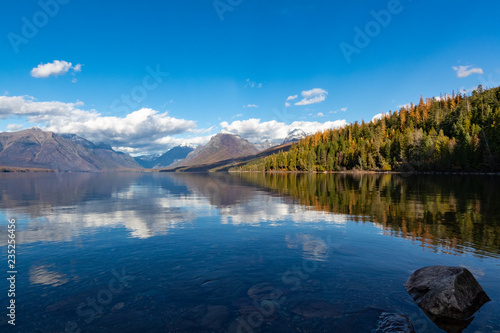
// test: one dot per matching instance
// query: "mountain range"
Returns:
(34, 148)
(37, 149)
(172, 156)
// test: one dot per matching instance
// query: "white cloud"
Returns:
(203, 130)
(14, 127)
(252, 84)
(256, 131)
(344, 109)
(250, 106)
(320, 114)
(55, 68)
(466, 91)
(439, 98)
(464, 71)
(406, 106)
(139, 129)
(170, 141)
(316, 95)
(290, 98)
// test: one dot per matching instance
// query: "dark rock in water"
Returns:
(446, 294)
(394, 322)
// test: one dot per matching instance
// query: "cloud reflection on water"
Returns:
(146, 205)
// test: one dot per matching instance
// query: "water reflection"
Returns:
(45, 275)
(446, 213)
(314, 248)
(228, 240)
(61, 208)
(453, 214)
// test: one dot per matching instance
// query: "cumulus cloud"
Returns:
(170, 141)
(141, 129)
(316, 95)
(55, 68)
(464, 71)
(320, 114)
(256, 131)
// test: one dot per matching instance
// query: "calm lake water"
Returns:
(144, 252)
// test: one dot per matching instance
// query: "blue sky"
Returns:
(232, 65)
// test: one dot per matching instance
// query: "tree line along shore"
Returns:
(456, 133)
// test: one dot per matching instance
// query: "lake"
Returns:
(162, 252)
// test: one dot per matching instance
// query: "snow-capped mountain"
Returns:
(294, 135)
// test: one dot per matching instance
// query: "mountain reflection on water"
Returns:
(213, 252)
(59, 207)
(454, 213)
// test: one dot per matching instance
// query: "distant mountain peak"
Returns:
(294, 135)
(221, 147)
(172, 156)
(265, 145)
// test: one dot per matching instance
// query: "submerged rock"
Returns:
(446, 294)
(394, 322)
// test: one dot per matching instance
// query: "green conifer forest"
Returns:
(452, 133)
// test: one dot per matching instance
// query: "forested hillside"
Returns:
(451, 133)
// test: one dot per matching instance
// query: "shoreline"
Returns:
(349, 172)
(372, 172)
(22, 169)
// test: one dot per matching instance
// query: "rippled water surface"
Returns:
(144, 252)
